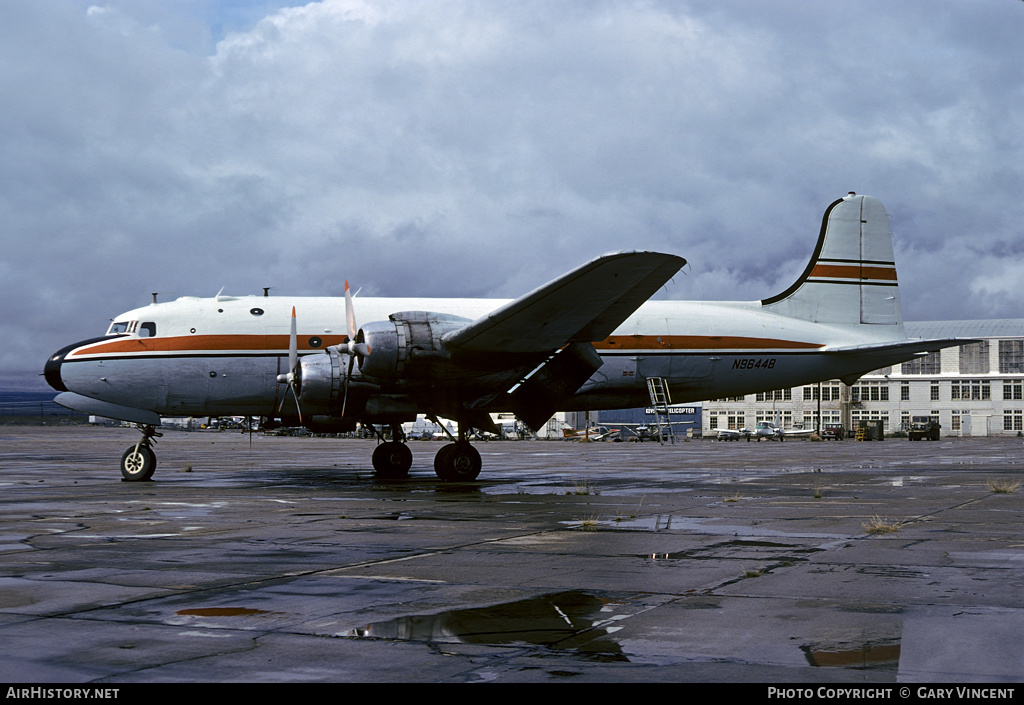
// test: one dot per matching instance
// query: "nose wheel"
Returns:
(139, 462)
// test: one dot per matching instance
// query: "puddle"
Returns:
(574, 620)
(863, 656)
(220, 612)
(710, 526)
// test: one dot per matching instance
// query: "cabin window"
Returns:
(147, 329)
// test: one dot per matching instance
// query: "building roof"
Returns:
(990, 328)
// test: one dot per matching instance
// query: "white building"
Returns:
(972, 390)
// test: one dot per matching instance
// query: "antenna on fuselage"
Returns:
(266, 291)
(154, 296)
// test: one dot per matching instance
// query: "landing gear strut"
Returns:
(139, 461)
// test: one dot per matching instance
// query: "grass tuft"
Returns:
(588, 524)
(582, 487)
(878, 525)
(1003, 486)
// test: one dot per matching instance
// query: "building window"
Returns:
(777, 395)
(905, 392)
(1013, 390)
(871, 391)
(829, 392)
(1011, 356)
(974, 358)
(970, 389)
(934, 392)
(930, 364)
(1013, 420)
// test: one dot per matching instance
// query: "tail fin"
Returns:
(851, 277)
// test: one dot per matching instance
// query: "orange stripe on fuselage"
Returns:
(853, 271)
(197, 344)
(204, 343)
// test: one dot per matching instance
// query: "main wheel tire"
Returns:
(392, 460)
(457, 462)
(138, 464)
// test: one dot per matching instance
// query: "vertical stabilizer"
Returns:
(851, 277)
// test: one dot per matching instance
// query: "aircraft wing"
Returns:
(582, 306)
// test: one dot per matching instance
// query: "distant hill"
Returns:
(34, 406)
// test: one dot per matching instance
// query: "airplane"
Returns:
(772, 432)
(647, 432)
(732, 434)
(597, 433)
(587, 340)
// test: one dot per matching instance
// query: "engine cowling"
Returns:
(321, 380)
(408, 345)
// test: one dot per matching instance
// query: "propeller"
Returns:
(355, 346)
(291, 378)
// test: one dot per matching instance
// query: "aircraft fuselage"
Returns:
(223, 356)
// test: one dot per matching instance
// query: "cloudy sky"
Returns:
(482, 147)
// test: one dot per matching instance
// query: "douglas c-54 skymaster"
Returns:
(587, 340)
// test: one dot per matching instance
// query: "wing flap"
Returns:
(582, 306)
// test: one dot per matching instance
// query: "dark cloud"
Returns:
(478, 149)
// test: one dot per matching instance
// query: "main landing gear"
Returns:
(139, 461)
(455, 462)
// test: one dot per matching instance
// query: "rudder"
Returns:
(851, 277)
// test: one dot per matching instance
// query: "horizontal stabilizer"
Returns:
(909, 348)
(582, 306)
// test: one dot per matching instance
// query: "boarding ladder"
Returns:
(660, 400)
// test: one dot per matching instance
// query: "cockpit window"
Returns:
(143, 330)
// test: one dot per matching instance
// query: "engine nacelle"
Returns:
(407, 345)
(321, 387)
(321, 380)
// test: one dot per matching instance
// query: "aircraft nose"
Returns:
(53, 364)
(52, 369)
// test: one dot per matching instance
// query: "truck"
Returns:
(924, 427)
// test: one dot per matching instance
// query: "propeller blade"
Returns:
(344, 399)
(350, 313)
(291, 378)
(293, 348)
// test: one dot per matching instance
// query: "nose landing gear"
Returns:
(139, 462)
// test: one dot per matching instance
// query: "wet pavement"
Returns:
(283, 560)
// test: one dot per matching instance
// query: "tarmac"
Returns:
(277, 559)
